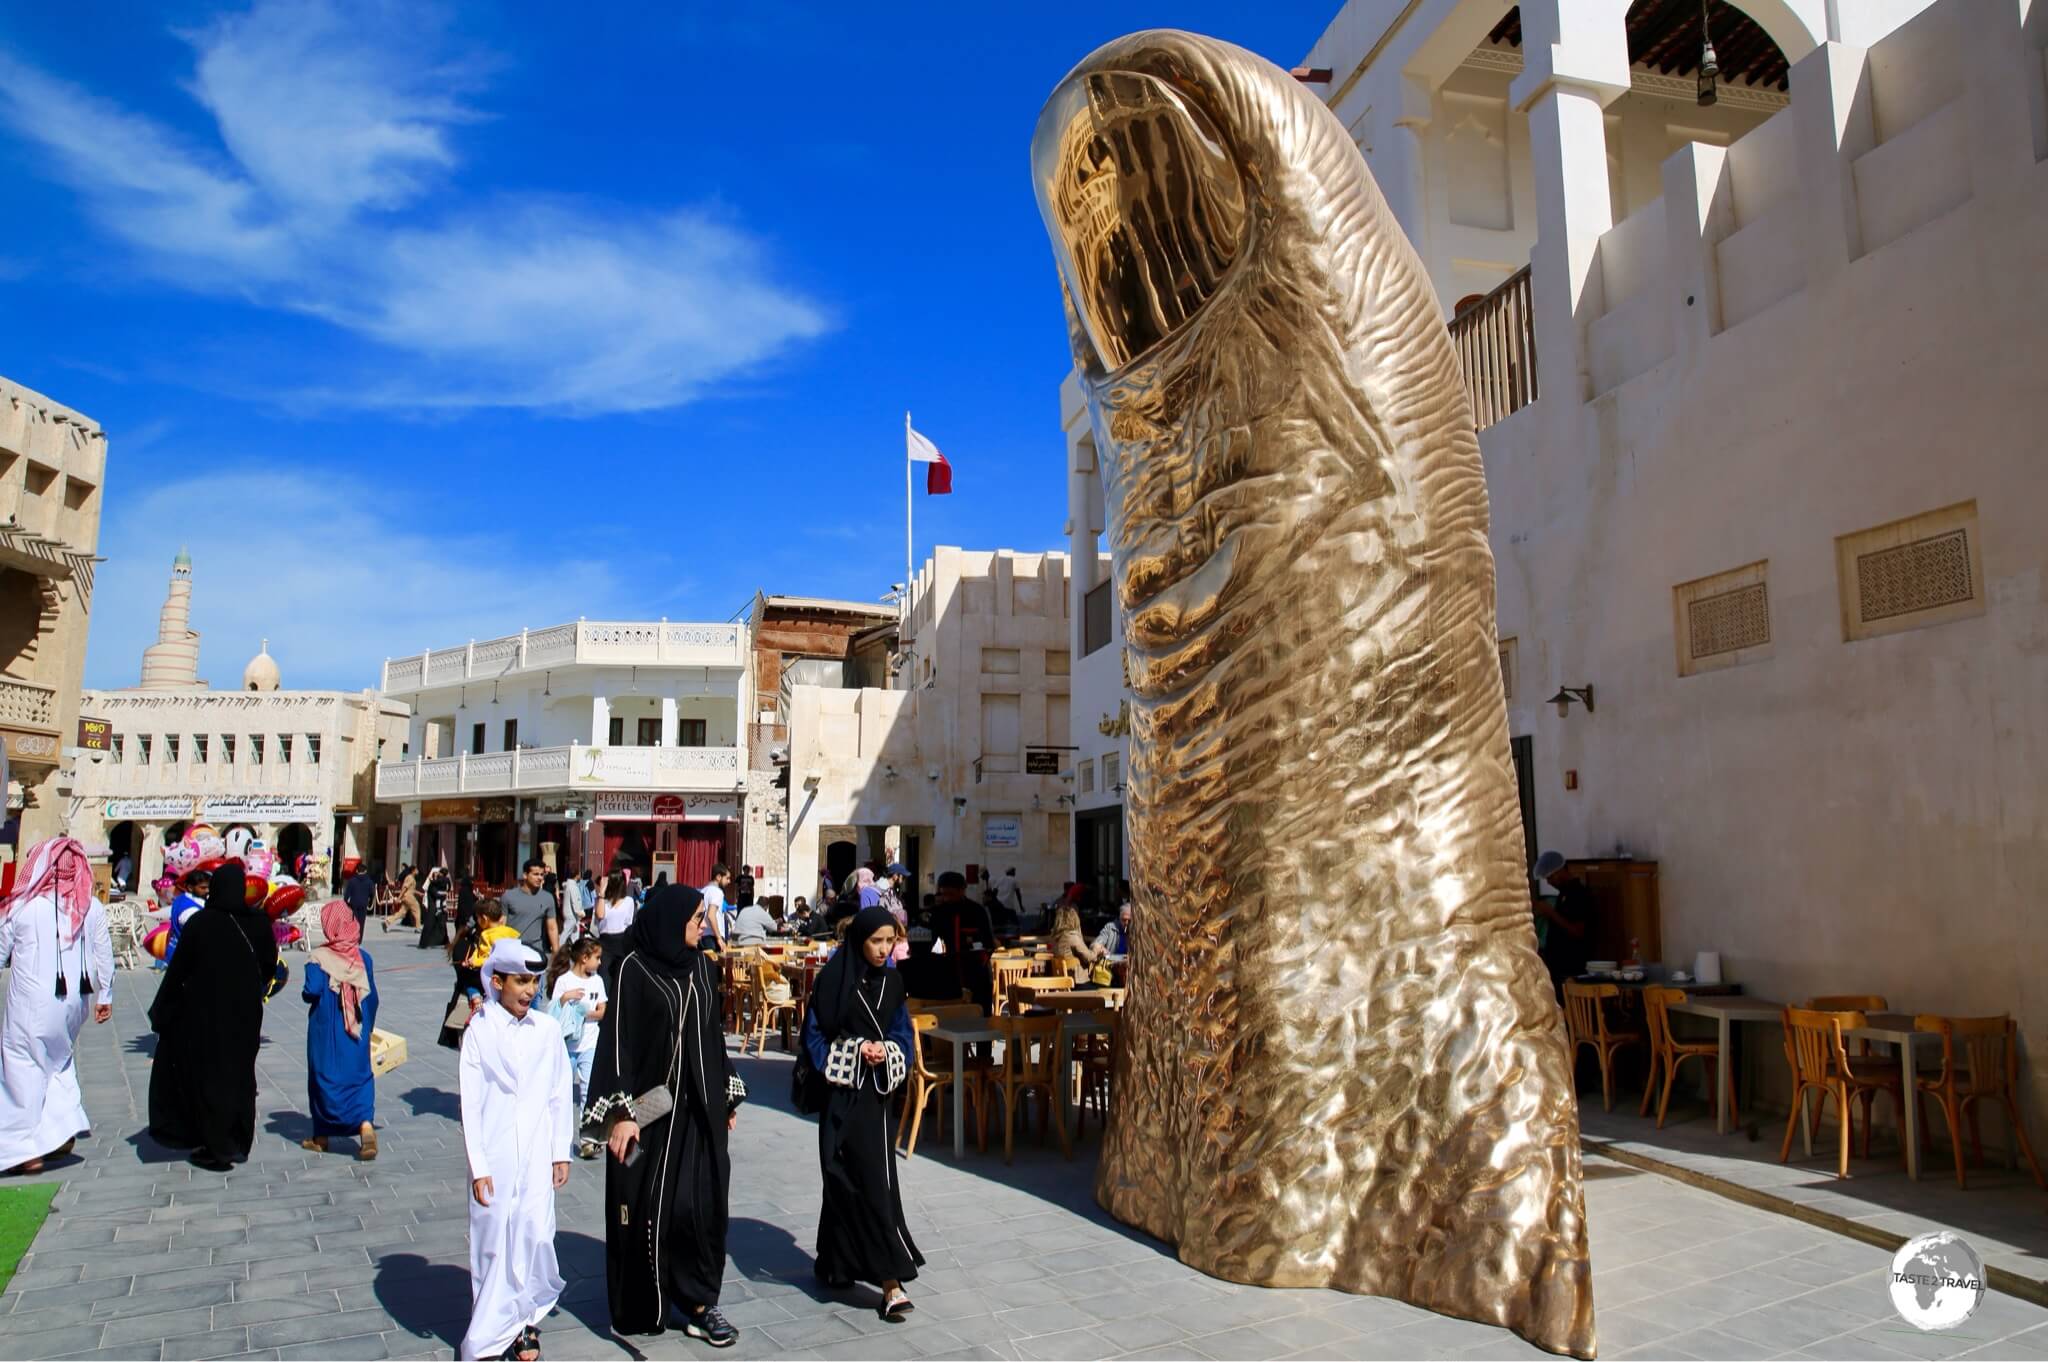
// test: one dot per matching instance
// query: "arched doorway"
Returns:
(294, 840)
(840, 860)
(124, 845)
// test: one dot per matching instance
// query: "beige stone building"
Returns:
(52, 466)
(963, 760)
(295, 767)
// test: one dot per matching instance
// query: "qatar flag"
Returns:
(938, 474)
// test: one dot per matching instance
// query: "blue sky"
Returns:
(426, 324)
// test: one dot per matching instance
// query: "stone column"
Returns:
(668, 721)
(1576, 65)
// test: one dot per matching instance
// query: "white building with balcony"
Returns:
(589, 745)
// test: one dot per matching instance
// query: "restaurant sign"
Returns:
(263, 808)
(448, 811)
(96, 735)
(1041, 762)
(149, 808)
(664, 808)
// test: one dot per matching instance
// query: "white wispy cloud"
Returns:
(327, 195)
(334, 576)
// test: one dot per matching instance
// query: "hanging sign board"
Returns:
(1041, 763)
(96, 735)
(262, 808)
(149, 808)
(664, 808)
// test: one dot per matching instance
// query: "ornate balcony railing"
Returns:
(642, 643)
(25, 705)
(575, 766)
(1496, 343)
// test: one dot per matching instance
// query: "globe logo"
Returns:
(1937, 1281)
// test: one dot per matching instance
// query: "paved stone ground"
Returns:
(293, 1255)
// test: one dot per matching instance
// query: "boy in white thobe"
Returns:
(518, 1124)
(55, 932)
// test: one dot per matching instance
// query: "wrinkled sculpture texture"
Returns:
(1342, 1063)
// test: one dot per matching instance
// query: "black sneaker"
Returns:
(710, 1326)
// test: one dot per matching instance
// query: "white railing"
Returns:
(585, 643)
(575, 766)
(28, 705)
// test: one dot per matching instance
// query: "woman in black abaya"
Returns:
(663, 1091)
(860, 1039)
(208, 1018)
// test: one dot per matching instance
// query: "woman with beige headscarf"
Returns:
(341, 992)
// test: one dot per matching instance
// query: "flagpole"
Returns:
(909, 549)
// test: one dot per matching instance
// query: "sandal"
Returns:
(366, 1146)
(895, 1305)
(527, 1342)
(315, 1143)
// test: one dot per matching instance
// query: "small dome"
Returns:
(261, 673)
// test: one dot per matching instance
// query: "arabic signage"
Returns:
(96, 735)
(448, 811)
(664, 808)
(150, 808)
(263, 808)
(38, 748)
(1005, 831)
(1041, 763)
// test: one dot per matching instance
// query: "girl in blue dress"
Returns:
(341, 992)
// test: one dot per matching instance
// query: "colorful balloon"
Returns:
(259, 859)
(284, 900)
(256, 890)
(158, 942)
(180, 857)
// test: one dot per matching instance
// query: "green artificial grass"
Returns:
(22, 1212)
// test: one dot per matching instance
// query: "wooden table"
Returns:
(961, 1034)
(1897, 1029)
(1725, 1011)
(979, 1031)
(1894, 1028)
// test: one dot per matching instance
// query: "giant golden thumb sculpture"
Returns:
(1342, 1063)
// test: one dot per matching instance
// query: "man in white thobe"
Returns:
(518, 1125)
(55, 933)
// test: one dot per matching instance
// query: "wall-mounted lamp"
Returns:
(812, 782)
(1117, 788)
(1566, 694)
(1710, 68)
(1037, 803)
(1065, 799)
(931, 773)
(959, 805)
(889, 771)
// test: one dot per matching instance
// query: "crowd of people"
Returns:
(589, 1022)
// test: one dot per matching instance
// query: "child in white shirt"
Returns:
(517, 1125)
(576, 995)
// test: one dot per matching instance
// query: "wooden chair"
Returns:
(1850, 1002)
(1820, 1063)
(1005, 971)
(1096, 1056)
(1667, 1053)
(928, 1081)
(1023, 991)
(1987, 1068)
(1030, 1052)
(1586, 1024)
(771, 999)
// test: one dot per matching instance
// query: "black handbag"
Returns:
(806, 1084)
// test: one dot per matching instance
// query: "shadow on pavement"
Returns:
(149, 1149)
(433, 1102)
(769, 1253)
(426, 1299)
(290, 1125)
